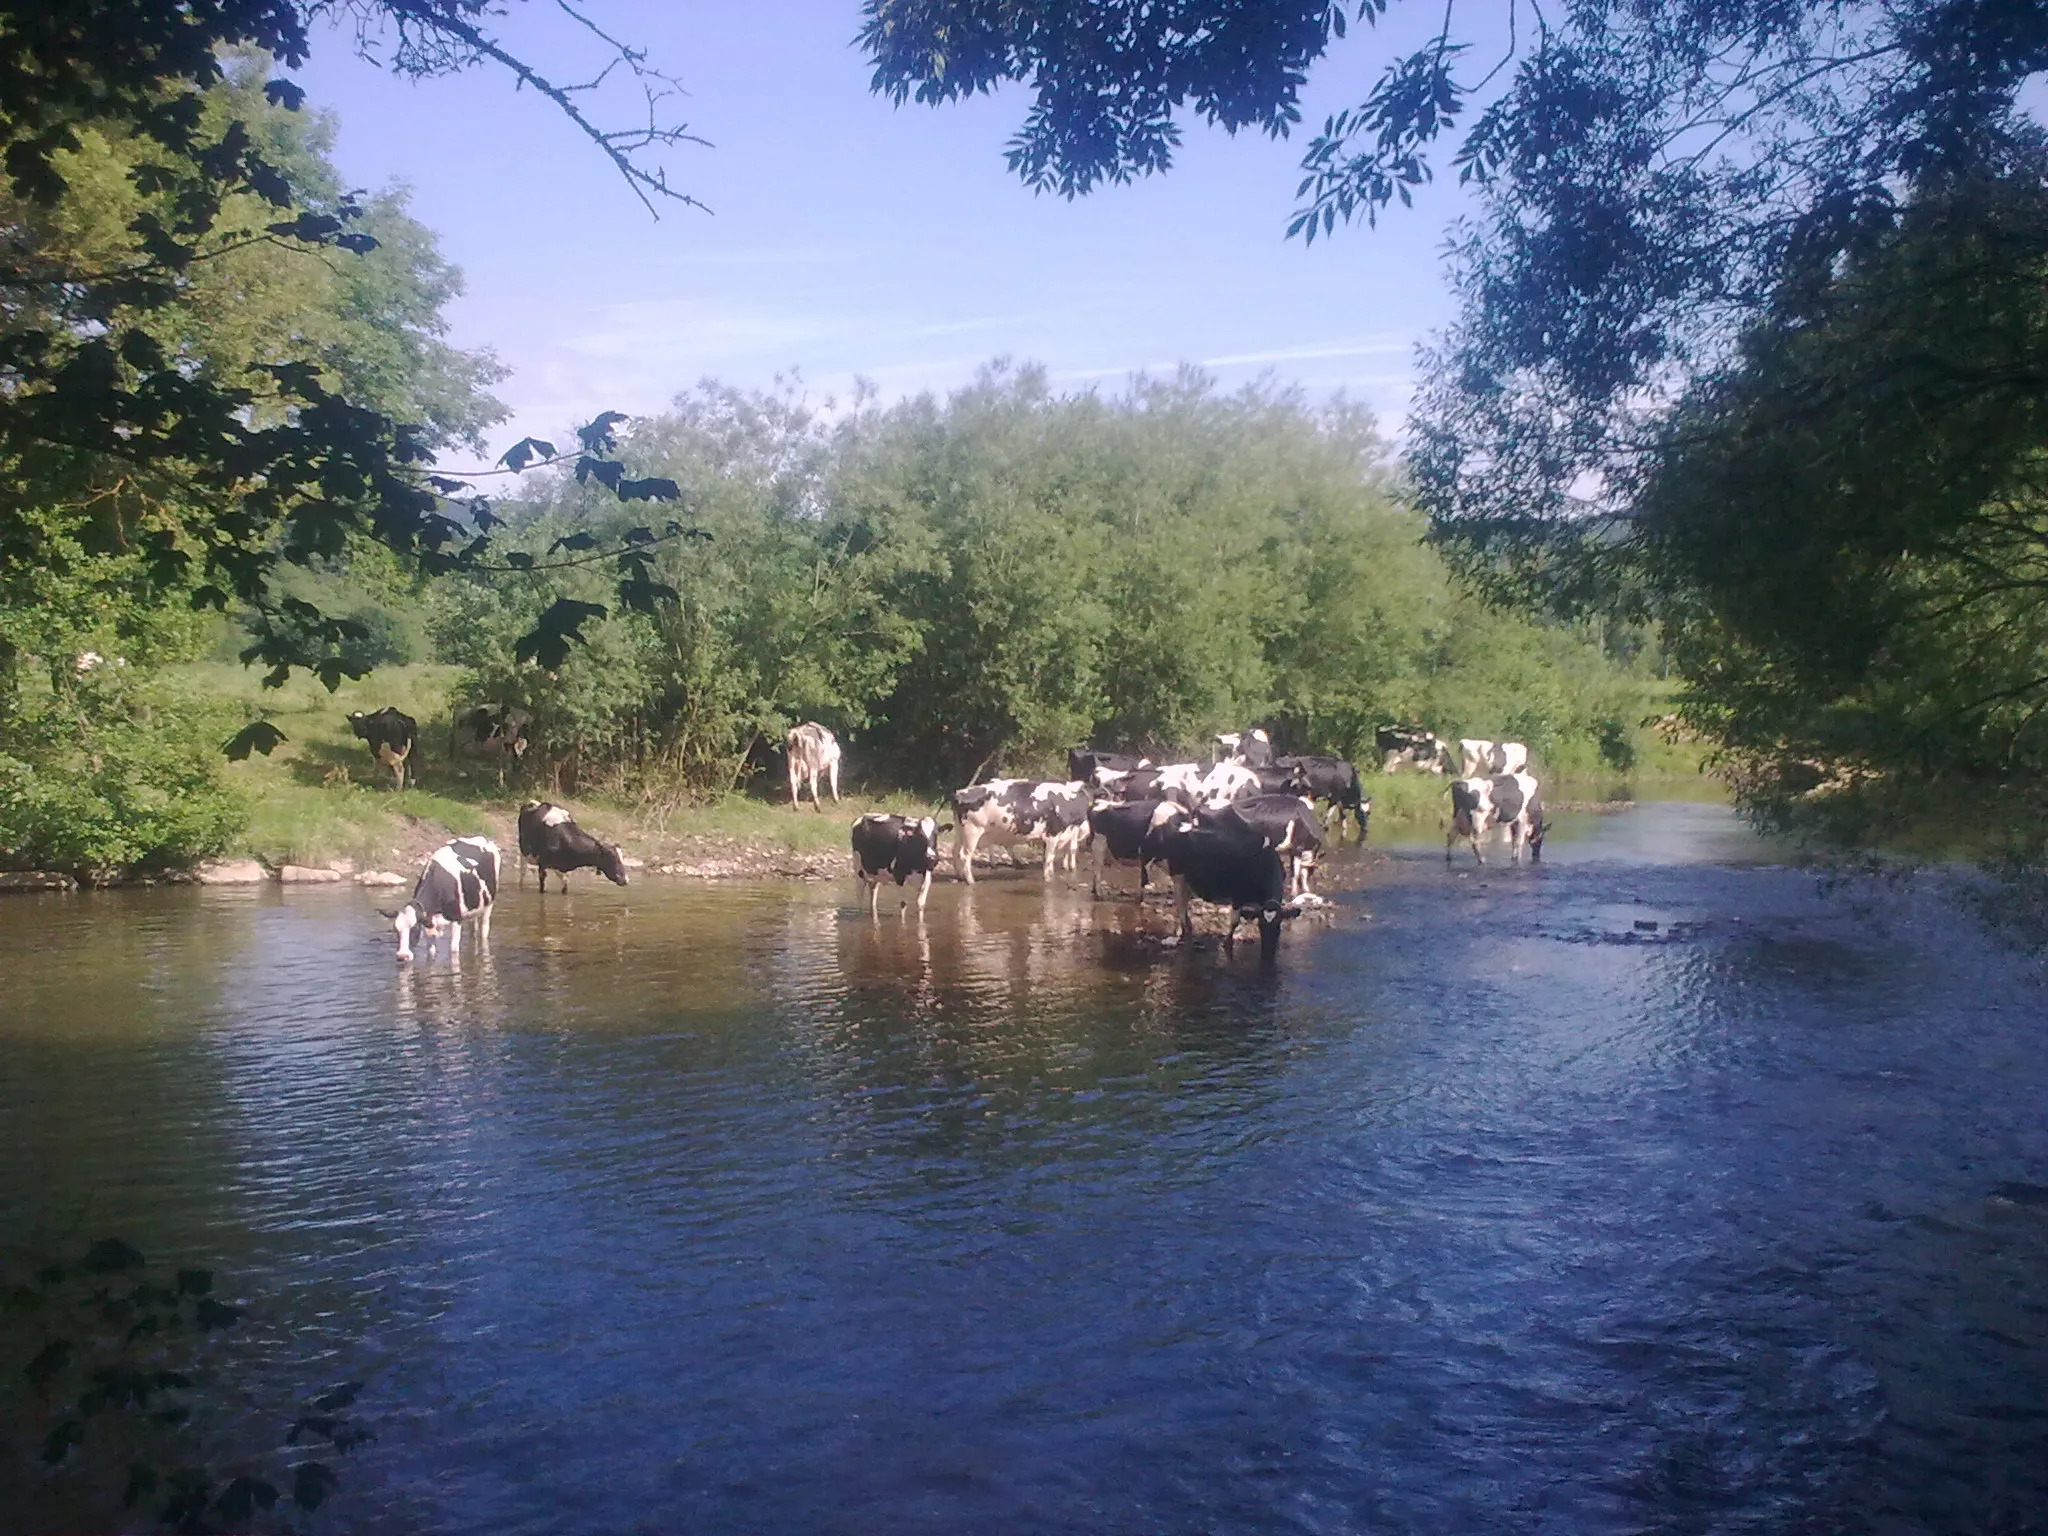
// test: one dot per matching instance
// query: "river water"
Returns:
(1490, 1207)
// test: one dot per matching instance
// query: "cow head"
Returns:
(611, 863)
(1269, 916)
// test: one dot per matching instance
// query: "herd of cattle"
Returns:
(1239, 831)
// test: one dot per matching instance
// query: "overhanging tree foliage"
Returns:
(217, 365)
(276, 459)
(1669, 199)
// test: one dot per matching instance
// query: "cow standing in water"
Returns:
(1008, 811)
(895, 845)
(390, 735)
(813, 750)
(550, 838)
(1510, 800)
(460, 881)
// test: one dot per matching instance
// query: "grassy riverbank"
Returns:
(319, 801)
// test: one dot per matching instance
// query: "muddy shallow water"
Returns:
(1650, 1189)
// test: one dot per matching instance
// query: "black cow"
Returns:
(1222, 860)
(550, 838)
(1334, 781)
(898, 846)
(1288, 825)
(390, 735)
(1087, 764)
(460, 880)
(1130, 832)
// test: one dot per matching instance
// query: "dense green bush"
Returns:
(983, 581)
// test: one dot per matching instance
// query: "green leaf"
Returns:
(49, 1360)
(210, 1314)
(312, 1482)
(257, 736)
(59, 1442)
(560, 627)
(112, 1256)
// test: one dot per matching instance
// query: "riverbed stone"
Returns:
(230, 872)
(379, 877)
(35, 880)
(301, 874)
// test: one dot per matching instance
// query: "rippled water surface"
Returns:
(1492, 1207)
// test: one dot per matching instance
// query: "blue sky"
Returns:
(853, 238)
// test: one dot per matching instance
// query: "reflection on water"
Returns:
(1642, 1190)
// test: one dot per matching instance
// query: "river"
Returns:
(1655, 1188)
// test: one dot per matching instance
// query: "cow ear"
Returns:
(945, 826)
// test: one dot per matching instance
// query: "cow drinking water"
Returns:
(1224, 861)
(551, 840)
(459, 881)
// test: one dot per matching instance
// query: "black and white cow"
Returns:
(1090, 765)
(1510, 800)
(1411, 747)
(551, 840)
(1289, 826)
(900, 846)
(459, 881)
(1223, 861)
(1225, 783)
(390, 735)
(1248, 749)
(496, 731)
(1333, 780)
(1129, 832)
(1009, 811)
(1490, 759)
(1178, 782)
(813, 750)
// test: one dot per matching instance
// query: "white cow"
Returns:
(813, 750)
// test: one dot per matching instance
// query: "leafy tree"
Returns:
(1670, 283)
(1846, 530)
(977, 583)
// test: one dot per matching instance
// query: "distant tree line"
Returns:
(975, 584)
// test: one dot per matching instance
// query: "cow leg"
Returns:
(483, 927)
(1183, 919)
(1230, 934)
(455, 938)
(924, 892)
(1095, 885)
(1052, 857)
(964, 842)
(835, 783)
(875, 899)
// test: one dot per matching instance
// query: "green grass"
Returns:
(319, 798)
